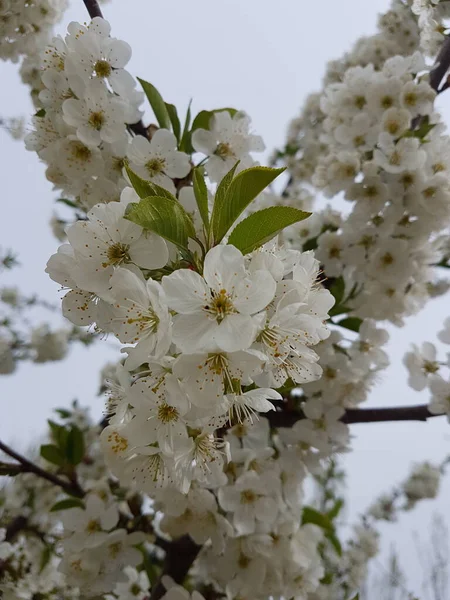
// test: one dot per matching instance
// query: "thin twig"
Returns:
(94, 10)
(359, 415)
(72, 488)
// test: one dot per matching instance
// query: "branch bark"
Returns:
(441, 65)
(180, 556)
(72, 488)
(359, 415)
(94, 10)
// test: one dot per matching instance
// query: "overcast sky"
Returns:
(263, 57)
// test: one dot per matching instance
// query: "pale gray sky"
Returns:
(256, 55)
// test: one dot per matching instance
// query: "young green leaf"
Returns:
(201, 196)
(144, 188)
(75, 446)
(185, 135)
(242, 190)
(352, 323)
(311, 515)
(52, 454)
(263, 225)
(338, 290)
(157, 103)
(66, 504)
(173, 116)
(164, 216)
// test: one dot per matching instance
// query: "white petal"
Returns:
(194, 332)
(149, 251)
(224, 268)
(255, 293)
(235, 332)
(204, 141)
(186, 291)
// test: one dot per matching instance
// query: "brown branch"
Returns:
(441, 66)
(359, 415)
(94, 10)
(180, 555)
(72, 488)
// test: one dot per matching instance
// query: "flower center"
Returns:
(118, 443)
(147, 319)
(115, 549)
(221, 305)
(155, 166)
(167, 413)
(217, 363)
(395, 158)
(248, 497)
(81, 152)
(93, 526)
(117, 253)
(430, 366)
(102, 68)
(224, 150)
(135, 589)
(96, 120)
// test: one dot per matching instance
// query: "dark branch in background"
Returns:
(179, 558)
(359, 415)
(441, 66)
(94, 10)
(26, 466)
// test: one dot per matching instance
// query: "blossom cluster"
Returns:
(88, 99)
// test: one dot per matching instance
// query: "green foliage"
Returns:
(144, 188)
(235, 194)
(165, 217)
(352, 323)
(68, 446)
(185, 137)
(66, 504)
(67, 202)
(311, 515)
(263, 225)
(201, 196)
(75, 447)
(174, 119)
(157, 103)
(338, 290)
(40, 113)
(52, 454)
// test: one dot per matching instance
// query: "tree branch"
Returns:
(441, 65)
(72, 488)
(180, 555)
(359, 415)
(94, 10)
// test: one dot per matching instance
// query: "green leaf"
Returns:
(63, 413)
(185, 135)
(334, 541)
(201, 196)
(239, 194)
(66, 504)
(333, 513)
(311, 244)
(157, 103)
(338, 290)
(59, 434)
(68, 202)
(173, 116)
(352, 323)
(263, 225)
(40, 113)
(52, 454)
(311, 515)
(75, 447)
(338, 310)
(145, 188)
(164, 216)
(45, 559)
